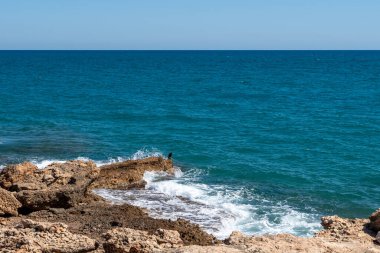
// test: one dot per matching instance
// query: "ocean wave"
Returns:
(217, 209)
(140, 154)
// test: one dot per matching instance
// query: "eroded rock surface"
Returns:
(124, 240)
(61, 194)
(8, 203)
(129, 174)
(375, 221)
(97, 218)
(42, 237)
(12, 174)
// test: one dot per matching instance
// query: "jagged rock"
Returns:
(12, 174)
(378, 237)
(8, 203)
(64, 197)
(129, 174)
(375, 221)
(282, 243)
(43, 237)
(124, 240)
(57, 186)
(208, 249)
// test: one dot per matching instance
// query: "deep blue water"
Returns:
(293, 133)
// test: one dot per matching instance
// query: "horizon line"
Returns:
(189, 49)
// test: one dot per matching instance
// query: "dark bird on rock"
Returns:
(170, 156)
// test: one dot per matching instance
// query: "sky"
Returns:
(190, 24)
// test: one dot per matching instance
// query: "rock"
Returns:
(59, 185)
(282, 243)
(171, 237)
(207, 249)
(64, 197)
(43, 237)
(123, 240)
(129, 174)
(96, 218)
(8, 203)
(341, 229)
(12, 174)
(375, 221)
(378, 237)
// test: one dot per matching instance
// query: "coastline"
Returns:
(62, 193)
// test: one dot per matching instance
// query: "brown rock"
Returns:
(12, 174)
(43, 237)
(129, 174)
(56, 186)
(375, 221)
(123, 240)
(282, 243)
(95, 219)
(8, 203)
(340, 229)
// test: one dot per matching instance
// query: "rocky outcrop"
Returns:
(8, 203)
(12, 174)
(129, 174)
(43, 237)
(340, 229)
(95, 219)
(58, 186)
(375, 221)
(124, 240)
(64, 185)
(61, 194)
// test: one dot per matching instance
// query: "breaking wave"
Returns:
(218, 209)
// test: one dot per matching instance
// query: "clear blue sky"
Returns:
(190, 24)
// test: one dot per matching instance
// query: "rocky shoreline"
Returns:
(55, 210)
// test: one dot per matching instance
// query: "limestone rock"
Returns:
(16, 173)
(375, 221)
(282, 243)
(43, 237)
(129, 174)
(207, 249)
(124, 240)
(341, 229)
(57, 186)
(8, 203)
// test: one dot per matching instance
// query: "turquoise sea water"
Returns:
(265, 141)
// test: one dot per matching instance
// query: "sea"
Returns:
(263, 141)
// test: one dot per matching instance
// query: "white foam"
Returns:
(140, 154)
(215, 208)
(44, 163)
(145, 153)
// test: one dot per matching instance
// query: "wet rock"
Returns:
(122, 240)
(375, 221)
(8, 203)
(129, 174)
(31, 236)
